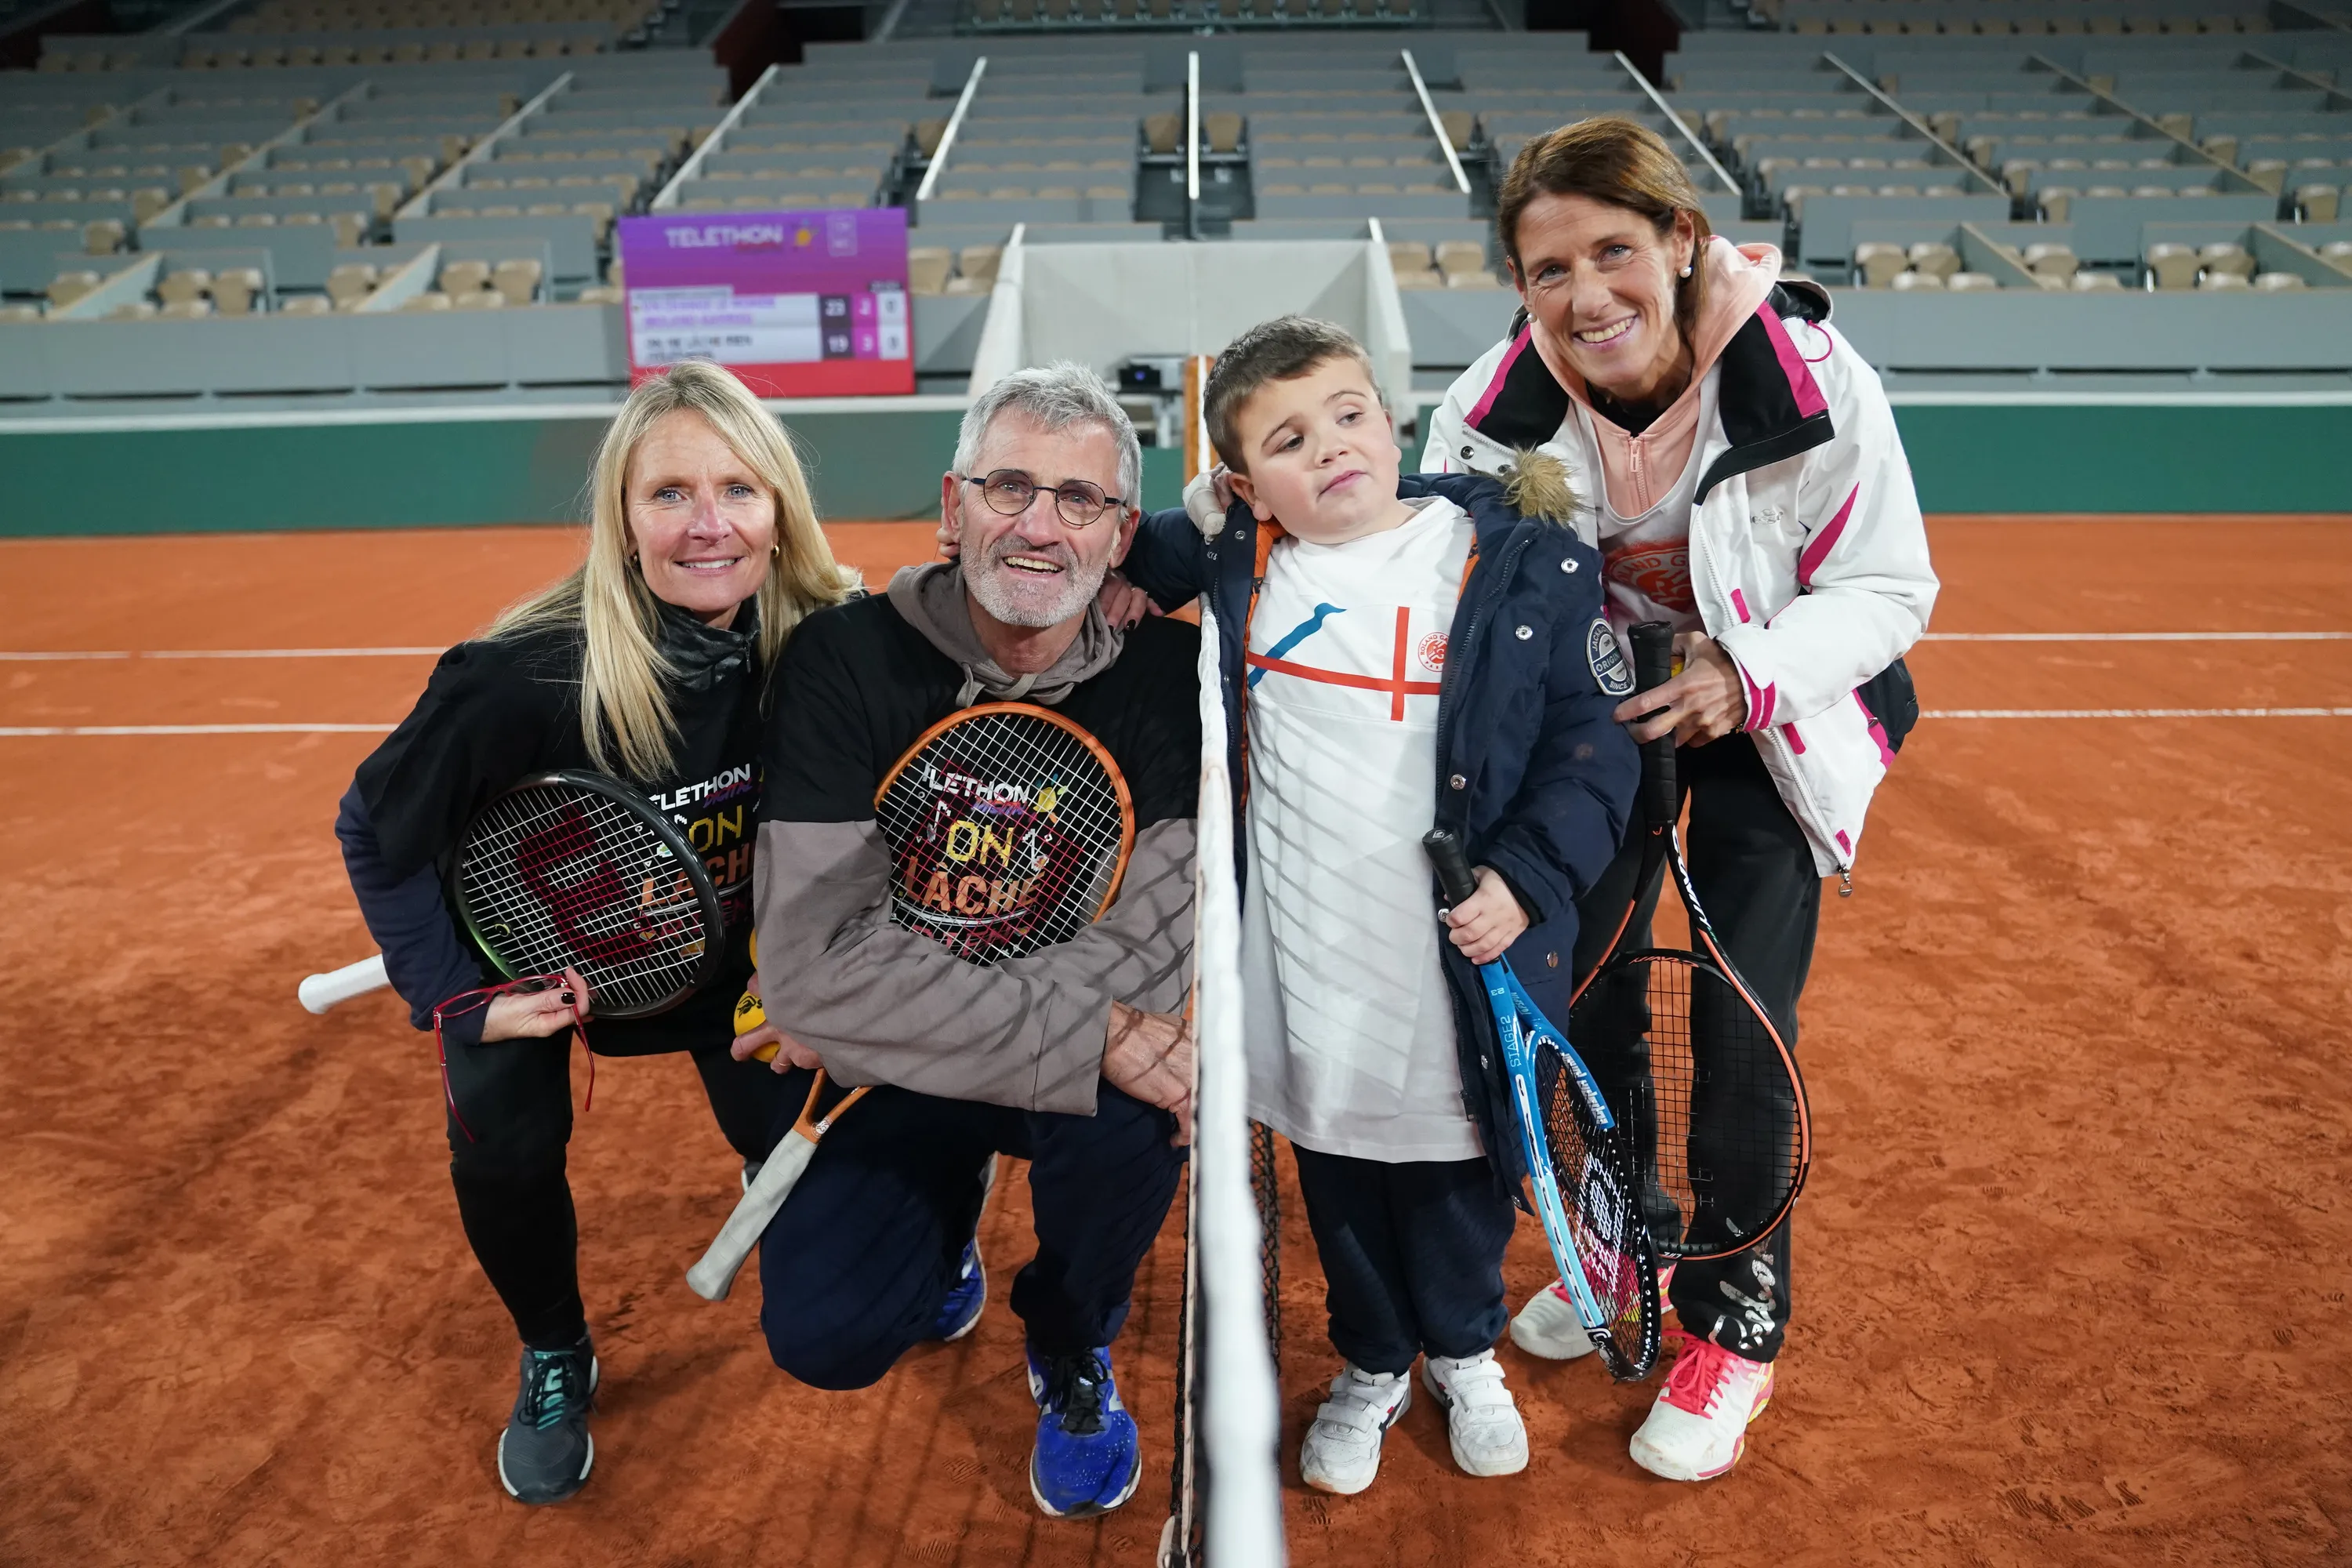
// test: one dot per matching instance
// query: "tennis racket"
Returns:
(574, 871)
(1008, 829)
(1579, 1158)
(1690, 1060)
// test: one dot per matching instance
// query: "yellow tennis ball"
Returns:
(749, 1016)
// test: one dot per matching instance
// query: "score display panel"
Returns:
(798, 304)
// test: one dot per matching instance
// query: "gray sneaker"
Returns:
(545, 1453)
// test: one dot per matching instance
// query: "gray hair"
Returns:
(1055, 397)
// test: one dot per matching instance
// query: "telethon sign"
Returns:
(799, 304)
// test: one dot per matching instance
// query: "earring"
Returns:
(1686, 268)
(775, 552)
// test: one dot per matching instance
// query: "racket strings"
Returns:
(1598, 1185)
(1701, 1085)
(1007, 835)
(556, 878)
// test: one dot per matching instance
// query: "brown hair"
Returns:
(1281, 350)
(1619, 164)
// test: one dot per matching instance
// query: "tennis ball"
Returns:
(749, 1016)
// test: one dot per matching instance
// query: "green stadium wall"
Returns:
(428, 469)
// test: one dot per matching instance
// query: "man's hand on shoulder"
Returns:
(1149, 1055)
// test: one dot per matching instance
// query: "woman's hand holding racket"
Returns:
(755, 1038)
(534, 1014)
(1149, 1055)
(1705, 701)
(1486, 923)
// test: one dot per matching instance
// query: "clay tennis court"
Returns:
(2071, 1274)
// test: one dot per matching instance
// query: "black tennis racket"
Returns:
(1009, 828)
(1689, 1059)
(574, 870)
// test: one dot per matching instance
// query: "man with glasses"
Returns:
(1074, 1057)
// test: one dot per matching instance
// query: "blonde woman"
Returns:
(648, 663)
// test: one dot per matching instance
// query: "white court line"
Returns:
(2137, 713)
(2137, 636)
(27, 657)
(195, 730)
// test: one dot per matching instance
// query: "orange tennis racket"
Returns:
(1009, 828)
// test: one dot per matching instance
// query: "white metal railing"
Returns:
(1192, 126)
(1460, 180)
(692, 168)
(1658, 100)
(955, 124)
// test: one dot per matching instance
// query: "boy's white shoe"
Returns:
(1488, 1438)
(1342, 1451)
(1699, 1427)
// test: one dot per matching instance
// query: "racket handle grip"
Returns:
(1653, 666)
(321, 991)
(1455, 877)
(714, 1275)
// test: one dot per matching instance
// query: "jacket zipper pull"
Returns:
(1845, 881)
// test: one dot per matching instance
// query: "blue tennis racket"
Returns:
(1580, 1156)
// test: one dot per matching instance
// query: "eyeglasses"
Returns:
(1009, 492)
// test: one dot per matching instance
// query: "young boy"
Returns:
(1406, 653)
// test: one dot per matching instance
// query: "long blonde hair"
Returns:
(624, 711)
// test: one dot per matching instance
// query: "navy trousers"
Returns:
(858, 1262)
(1412, 1255)
(1754, 873)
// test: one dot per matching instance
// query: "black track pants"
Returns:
(1412, 1255)
(507, 1140)
(1754, 874)
(855, 1266)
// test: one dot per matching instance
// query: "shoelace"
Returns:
(1074, 1391)
(1698, 1379)
(557, 1382)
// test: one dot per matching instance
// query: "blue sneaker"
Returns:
(1086, 1461)
(960, 1313)
(545, 1453)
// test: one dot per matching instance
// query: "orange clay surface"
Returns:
(2071, 1273)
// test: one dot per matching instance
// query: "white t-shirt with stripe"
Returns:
(1349, 1026)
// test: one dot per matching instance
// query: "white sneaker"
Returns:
(1699, 1427)
(1547, 1325)
(1342, 1451)
(1488, 1438)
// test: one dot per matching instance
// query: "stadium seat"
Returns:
(928, 266)
(1906, 282)
(2221, 282)
(2227, 256)
(1460, 255)
(2172, 266)
(197, 308)
(978, 264)
(2273, 282)
(517, 279)
(68, 287)
(133, 311)
(1222, 132)
(1161, 132)
(2053, 260)
(2096, 282)
(1972, 283)
(103, 237)
(350, 282)
(187, 283)
(1879, 263)
(429, 299)
(234, 289)
(478, 299)
(465, 277)
(1934, 256)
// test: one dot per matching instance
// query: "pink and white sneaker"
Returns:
(1547, 1325)
(1699, 1427)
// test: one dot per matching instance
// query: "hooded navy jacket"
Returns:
(1533, 775)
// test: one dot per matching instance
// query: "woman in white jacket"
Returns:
(1742, 478)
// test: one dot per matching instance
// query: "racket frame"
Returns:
(1076, 732)
(688, 859)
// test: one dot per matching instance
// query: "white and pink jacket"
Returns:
(1808, 558)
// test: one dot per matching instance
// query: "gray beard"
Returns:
(1001, 595)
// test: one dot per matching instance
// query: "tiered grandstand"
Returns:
(228, 204)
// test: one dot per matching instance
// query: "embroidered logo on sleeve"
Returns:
(1432, 651)
(1600, 651)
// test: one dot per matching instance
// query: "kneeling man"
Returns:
(1071, 1057)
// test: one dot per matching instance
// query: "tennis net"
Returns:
(1226, 1491)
